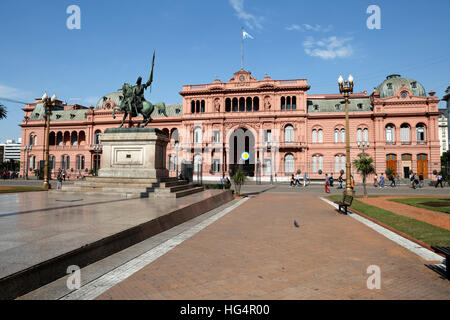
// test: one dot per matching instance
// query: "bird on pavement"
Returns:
(296, 224)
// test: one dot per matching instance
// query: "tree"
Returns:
(239, 178)
(445, 165)
(364, 166)
(3, 112)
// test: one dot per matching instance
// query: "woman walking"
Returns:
(327, 181)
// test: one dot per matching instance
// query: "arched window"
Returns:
(197, 163)
(31, 141)
(241, 104)
(420, 133)
(314, 164)
(197, 135)
(192, 106)
(289, 163)
(294, 103)
(289, 133)
(283, 103)
(404, 133)
(320, 162)
(255, 104)
(203, 106)
(314, 136)
(248, 104)
(81, 138)
(359, 135)
(74, 138)
(288, 103)
(97, 135)
(235, 104)
(336, 135)
(390, 133)
(59, 138)
(339, 163)
(227, 105)
(342, 135)
(52, 139)
(197, 106)
(366, 134)
(52, 162)
(67, 162)
(320, 135)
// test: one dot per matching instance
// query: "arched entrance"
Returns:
(242, 140)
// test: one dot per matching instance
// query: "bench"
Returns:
(346, 202)
(446, 252)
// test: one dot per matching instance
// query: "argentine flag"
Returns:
(246, 35)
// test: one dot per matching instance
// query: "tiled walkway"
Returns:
(256, 252)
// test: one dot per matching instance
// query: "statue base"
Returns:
(134, 153)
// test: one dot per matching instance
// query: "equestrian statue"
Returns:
(133, 103)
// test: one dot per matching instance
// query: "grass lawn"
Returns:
(14, 189)
(418, 202)
(431, 235)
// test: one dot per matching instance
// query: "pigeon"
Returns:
(296, 224)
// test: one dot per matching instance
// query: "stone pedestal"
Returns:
(134, 153)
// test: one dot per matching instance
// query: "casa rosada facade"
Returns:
(281, 127)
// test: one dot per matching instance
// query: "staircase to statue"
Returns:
(133, 187)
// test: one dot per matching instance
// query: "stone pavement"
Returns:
(436, 218)
(38, 226)
(255, 252)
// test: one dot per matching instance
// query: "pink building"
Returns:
(281, 127)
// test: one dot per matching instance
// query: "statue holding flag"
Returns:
(133, 102)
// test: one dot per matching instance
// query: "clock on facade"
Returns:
(241, 78)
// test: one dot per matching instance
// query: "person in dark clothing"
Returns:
(439, 181)
(392, 178)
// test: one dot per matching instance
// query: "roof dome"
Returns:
(394, 82)
(114, 97)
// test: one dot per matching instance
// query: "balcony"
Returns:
(291, 145)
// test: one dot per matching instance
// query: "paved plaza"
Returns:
(253, 251)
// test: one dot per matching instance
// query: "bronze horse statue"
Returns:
(132, 101)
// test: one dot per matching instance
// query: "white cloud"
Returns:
(13, 93)
(89, 101)
(250, 20)
(308, 27)
(294, 27)
(328, 48)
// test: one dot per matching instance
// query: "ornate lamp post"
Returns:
(363, 145)
(345, 88)
(48, 103)
(27, 149)
(97, 150)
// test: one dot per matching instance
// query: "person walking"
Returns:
(331, 179)
(352, 182)
(327, 182)
(340, 180)
(297, 180)
(292, 181)
(392, 179)
(382, 181)
(59, 183)
(439, 181)
(375, 180)
(421, 184)
(304, 179)
(64, 175)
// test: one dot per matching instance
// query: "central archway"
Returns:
(242, 140)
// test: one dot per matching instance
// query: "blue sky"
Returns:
(197, 41)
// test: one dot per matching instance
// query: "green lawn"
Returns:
(416, 229)
(417, 202)
(14, 189)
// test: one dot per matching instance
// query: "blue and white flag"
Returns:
(246, 35)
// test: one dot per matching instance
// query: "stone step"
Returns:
(174, 188)
(113, 185)
(177, 194)
(121, 180)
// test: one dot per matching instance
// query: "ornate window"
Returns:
(289, 133)
(197, 135)
(320, 135)
(342, 135)
(314, 136)
(420, 133)
(289, 163)
(404, 133)
(390, 133)
(336, 135)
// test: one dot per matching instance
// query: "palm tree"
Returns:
(239, 178)
(364, 166)
(2, 112)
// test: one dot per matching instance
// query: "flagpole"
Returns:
(242, 48)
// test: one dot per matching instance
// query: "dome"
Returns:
(394, 82)
(114, 97)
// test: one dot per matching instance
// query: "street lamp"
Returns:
(27, 161)
(363, 146)
(345, 88)
(48, 103)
